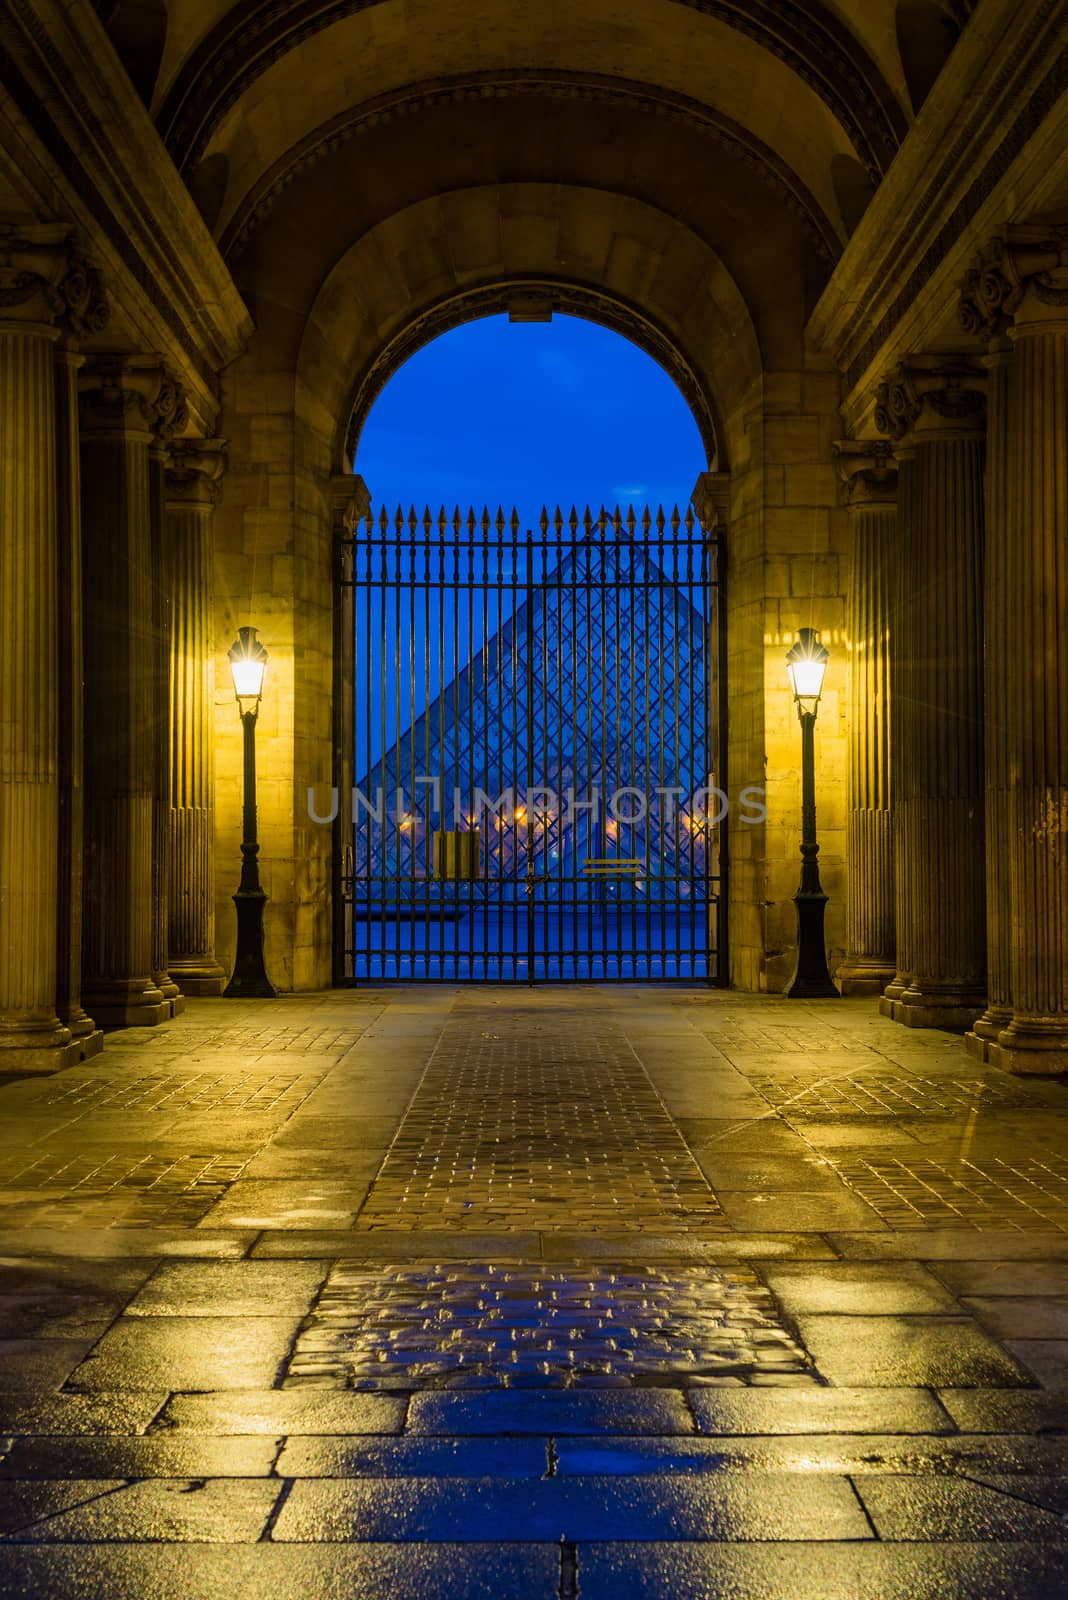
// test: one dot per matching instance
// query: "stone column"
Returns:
(119, 412)
(869, 470)
(192, 490)
(1031, 645)
(171, 417)
(934, 407)
(981, 313)
(33, 261)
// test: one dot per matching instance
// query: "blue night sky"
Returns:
(528, 414)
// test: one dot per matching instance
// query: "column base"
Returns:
(80, 1024)
(891, 995)
(122, 1005)
(986, 1031)
(202, 976)
(1032, 1048)
(41, 1060)
(861, 977)
(921, 1007)
(170, 991)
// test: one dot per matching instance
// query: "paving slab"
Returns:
(1035, 1412)
(1045, 1359)
(421, 1457)
(724, 1247)
(159, 1456)
(206, 1511)
(229, 1288)
(830, 1571)
(852, 1455)
(935, 1352)
(284, 1572)
(1039, 1278)
(796, 1210)
(769, 1507)
(188, 1353)
(1022, 1317)
(282, 1412)
(366, 1244)
(309, 1203)
(951, 1244)
(549, 1411)
(867, 1289)
(40, 1412)
(24, 1505)
(818, 1410)
(40, 1363)
(905, 1507)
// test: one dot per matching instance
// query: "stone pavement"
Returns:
(567, 1293)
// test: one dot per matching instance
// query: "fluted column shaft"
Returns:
(899, 599)
(71, 720)
(161, 730)
(999, 558)
(120, 666)
(934, 407)
(870, 940)
(940, 712)
(188, 554)
(29, 696)
(1033, 655)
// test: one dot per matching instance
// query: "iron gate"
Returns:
(559, 691)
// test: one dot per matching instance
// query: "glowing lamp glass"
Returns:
(248, 678)
(806, 678)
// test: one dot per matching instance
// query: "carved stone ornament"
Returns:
(711, 499)
(121, 390)
(929, 393)
(350, 503)
(868, 469)
(44, 277)
(1028, 258)
(194, 471)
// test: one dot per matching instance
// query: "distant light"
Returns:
(248, 664)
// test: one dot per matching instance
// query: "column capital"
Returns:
(1019, 278)
(932, 398)
(125, 393)
(46, 279)
(868, 469)
(350, 502)
(194, 471)
(711, 499)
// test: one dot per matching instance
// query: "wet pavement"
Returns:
(568, 1293)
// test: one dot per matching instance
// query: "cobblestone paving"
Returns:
(548, 1124)
(480, 1325)
(176, 1091)
(144, 1190)
(882, 1094)
(803, 1355)
(1025, 1192)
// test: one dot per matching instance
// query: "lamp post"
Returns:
(806, 663)
(248, 661)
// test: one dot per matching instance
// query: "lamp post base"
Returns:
(812, 979)
(249, 980)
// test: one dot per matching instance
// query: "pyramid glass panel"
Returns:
(554, 690)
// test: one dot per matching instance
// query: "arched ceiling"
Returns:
(474, 252)
(815, 86)
(842, 49)
(582, 146)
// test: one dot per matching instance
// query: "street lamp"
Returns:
(806, 662)
(248, 662)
